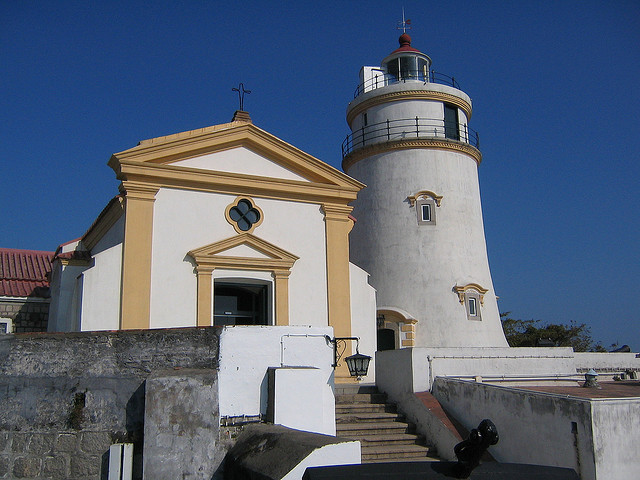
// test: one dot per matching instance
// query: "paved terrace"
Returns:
(621, 389)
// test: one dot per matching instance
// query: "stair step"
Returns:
(364, 417)
(357, 430)
(391, 439)
(410, 459)
(363, 414)
(361, 398)
(346, 408)
(342, 389)
(400, 451)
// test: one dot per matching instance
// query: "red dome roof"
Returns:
(405, 44)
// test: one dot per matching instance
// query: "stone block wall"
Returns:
(54, 455)
(28, 315)
(67, 397)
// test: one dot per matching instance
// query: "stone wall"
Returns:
(28, 315)
(67, 397)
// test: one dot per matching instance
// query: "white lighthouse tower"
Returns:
(419, 229)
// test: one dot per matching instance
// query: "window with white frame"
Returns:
(472, 302)
(426, 210)
(6, 325)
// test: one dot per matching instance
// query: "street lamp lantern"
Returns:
(358, 364)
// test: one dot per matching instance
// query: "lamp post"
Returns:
(358, 363)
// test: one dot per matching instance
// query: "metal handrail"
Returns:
(384, 79)
(408, 129)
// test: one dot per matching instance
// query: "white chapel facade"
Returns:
(225, 225)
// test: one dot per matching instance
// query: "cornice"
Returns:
(174, 148)
(336, 211)
(156, 176)
(440, 144)
(209, 255)
(408, 95)
(106, 219)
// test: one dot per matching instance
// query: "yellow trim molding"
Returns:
(470, 286)
(163, 151)
(406, 96)
(136, 255)
(406, 324)
(106, 219)
(278, 261)
(437, 143)
(424, 193)
(338, 224)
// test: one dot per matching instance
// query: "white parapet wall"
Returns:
(300, 353)
(598, 438)
(415, 369)
(608, 365)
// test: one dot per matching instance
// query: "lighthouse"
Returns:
(419, 230)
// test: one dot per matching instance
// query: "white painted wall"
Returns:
(185, 220)
(363, 316)
(415, 369)
(240, 160)
(102, 282)
(616, 439)
(302, 409)
(537, 427)
(415, 267)
(607, 364)
(63, 285)
(246, 353)
(346, 453)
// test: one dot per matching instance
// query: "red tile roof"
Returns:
(23, 273)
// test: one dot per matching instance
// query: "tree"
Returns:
(528, 333)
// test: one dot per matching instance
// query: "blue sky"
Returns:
(554, 86)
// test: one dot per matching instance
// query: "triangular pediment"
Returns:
(174, 156)
(244, 251)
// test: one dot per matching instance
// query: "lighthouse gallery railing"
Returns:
(382, 79)
(409, 129)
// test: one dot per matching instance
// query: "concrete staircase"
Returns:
(362, 413)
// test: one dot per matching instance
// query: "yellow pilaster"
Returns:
(205, 304)
(337, 227)
(281, 280)
(136, 257)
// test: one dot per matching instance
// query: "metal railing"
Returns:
(409, 129)
(383, 79)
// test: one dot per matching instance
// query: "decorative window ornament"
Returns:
(425, 202)
(243, 215)
(472, 297)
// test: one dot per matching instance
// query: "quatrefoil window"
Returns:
(243, 215)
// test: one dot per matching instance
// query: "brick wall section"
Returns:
(67, 397)
(27, 315)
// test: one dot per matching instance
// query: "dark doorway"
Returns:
(240, 304)
(386, 339)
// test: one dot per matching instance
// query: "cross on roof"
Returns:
(241, 91)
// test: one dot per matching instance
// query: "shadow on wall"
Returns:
(30, 317)
(134, 433)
